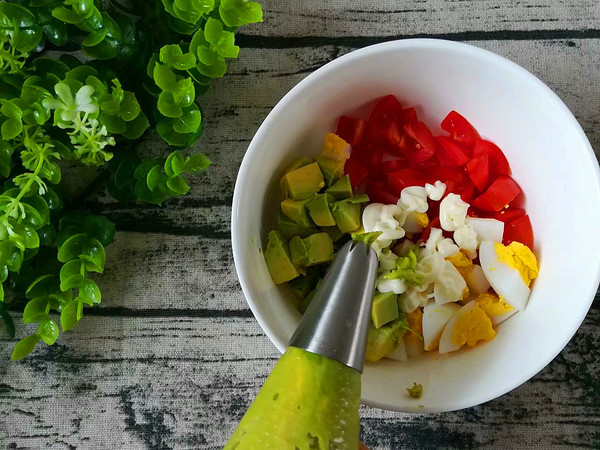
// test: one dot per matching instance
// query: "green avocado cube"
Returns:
(384, 340)
(384, 309)
(304, 304)
(304, 284)
(289, 228)
(304, 182)
(346, 215)
(334, 233)
(296, 210)
(332, 169)
(320, 248)
(278, 259)
(300, 162)
(298, 251)
(320, 210)
(341, 189)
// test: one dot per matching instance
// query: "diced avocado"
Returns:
(296, 211)
(304, 284)
(300, 162)
(320, 248)
(303, 306)
(346, 215)
(382, 341)
(320, 210)
(278, 259)
(304, 182)
(334, 233)
(289, 228)
(341, 189)
(333, 169)
(298, 251)
(385, 308)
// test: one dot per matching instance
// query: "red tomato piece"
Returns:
(498, 164)
(383, 127)
(498, 195)
(351, 130)
(449, 153)
(519, 230)
(356, 171)
(424, 141)
(460, 129)
(508, 215)
(378, 194)
(411, 176)
(408, 115)
(393, 165)
(478, 169)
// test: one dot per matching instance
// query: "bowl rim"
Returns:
(428, 43)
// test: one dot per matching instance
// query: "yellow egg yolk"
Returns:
(472, 327)
(415, 321)
(421, 219)
(520, 258)
(493, 305)
(464, 266)
(335, 147)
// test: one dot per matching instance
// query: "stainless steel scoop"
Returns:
(336, 323)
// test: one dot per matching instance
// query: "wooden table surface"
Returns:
(173, 356)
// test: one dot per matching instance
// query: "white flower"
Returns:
(435, 191)
(453, 212)
(413, 198)
(69, 108)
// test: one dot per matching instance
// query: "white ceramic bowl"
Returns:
(551, 159)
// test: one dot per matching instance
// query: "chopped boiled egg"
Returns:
(435, 191)
(384, 285)
(469, 325)
(435, 318)
(399, 354)
(415, 222)
(495, 307)
(472, 273)
(453, 211)
(414, 297)
(437, 243)
(509, 269)
(450, 285)
(336, 148)
(413, 198)
(413, 339)
(486, 229)
(466, 238)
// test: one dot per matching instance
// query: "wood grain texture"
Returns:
(184, 382)
(167, 364)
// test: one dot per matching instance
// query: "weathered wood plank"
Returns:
(261, 77)
(389, 17)
(185, 382)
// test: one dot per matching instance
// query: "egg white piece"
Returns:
(496, 320)
(453, 211)
(476, 280)
(414, 347)
(399, 354)
(446, 344)
(486, 229)
(413, 198)
(435, 318)
(435, 191)
(505, 280)
(449, 286)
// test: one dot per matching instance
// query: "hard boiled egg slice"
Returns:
(486, 229)
(496, 308)
(469, 325)
(435, 318)
(504, 279)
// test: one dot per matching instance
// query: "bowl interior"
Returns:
(551, 159)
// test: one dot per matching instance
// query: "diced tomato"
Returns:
(371, 156)
(519, 230)
(408, 115)
(449, 153)
(509, 214)
(393, 165)
(378, 194)
(356, 171)
(466, 192)
(351, 130)
(383, 126)
(424, 141)
(479, 171)
(498, 195)
(460, 130)
(498, 164)
(411, 176)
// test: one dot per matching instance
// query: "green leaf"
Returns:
(13, 126)
(99, 228)
(72, 274)
(89, 291)
(94, 256)
(164, 77)
(41, 286)
(71, 314)
(95, 37)
(178, 185)
(137, 127)
(6, 151)
(130, 108)
(48, 331)
(189, 121)
(24, 347)
(66, 15)
(168, 106)
(154, 178)
(8, 321)
(37, 211)
(173, 55)
(174, 164)
(114, 124)
(196, 163)
(36, 310)
(73, 247)
(236, 13)
(26, 33)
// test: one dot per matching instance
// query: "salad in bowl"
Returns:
(443, 213)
